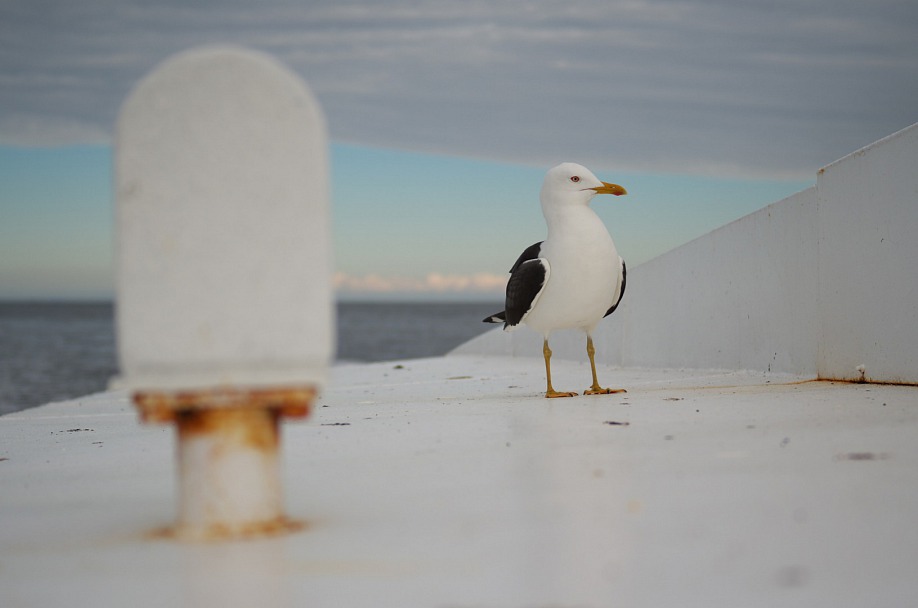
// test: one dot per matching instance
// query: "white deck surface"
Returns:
(450, 482)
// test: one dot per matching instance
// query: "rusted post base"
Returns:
(228, 458)
(229, 482)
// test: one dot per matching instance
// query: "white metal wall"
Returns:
(868, 262)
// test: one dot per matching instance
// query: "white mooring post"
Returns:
(224, 301)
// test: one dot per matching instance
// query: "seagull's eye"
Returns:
(575, 178)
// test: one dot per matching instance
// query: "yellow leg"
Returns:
(551, 393)
(596, 389)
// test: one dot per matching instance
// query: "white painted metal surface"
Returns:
(817, 284)
(223, 253)
(453, 482)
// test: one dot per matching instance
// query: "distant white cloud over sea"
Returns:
(481, 284)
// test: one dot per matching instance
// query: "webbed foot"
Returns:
(552, 394)
(598, 390)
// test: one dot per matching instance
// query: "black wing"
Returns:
(621, 292)
(523, 288)
(526, 281)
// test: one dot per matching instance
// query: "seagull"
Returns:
(572, 279)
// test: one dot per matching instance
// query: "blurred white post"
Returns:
(224, 299)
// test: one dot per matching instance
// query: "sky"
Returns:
(444, 116)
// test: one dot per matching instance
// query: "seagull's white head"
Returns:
(573, 184)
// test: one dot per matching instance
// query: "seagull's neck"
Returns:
(571, 221)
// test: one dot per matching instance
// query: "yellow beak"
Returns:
(610, 189)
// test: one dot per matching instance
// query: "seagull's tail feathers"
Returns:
(500, 317)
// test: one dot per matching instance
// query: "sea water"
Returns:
(51, 351)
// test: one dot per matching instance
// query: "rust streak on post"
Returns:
(245, 427)
(163, 407)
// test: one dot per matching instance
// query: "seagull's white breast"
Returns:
(585, 272)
